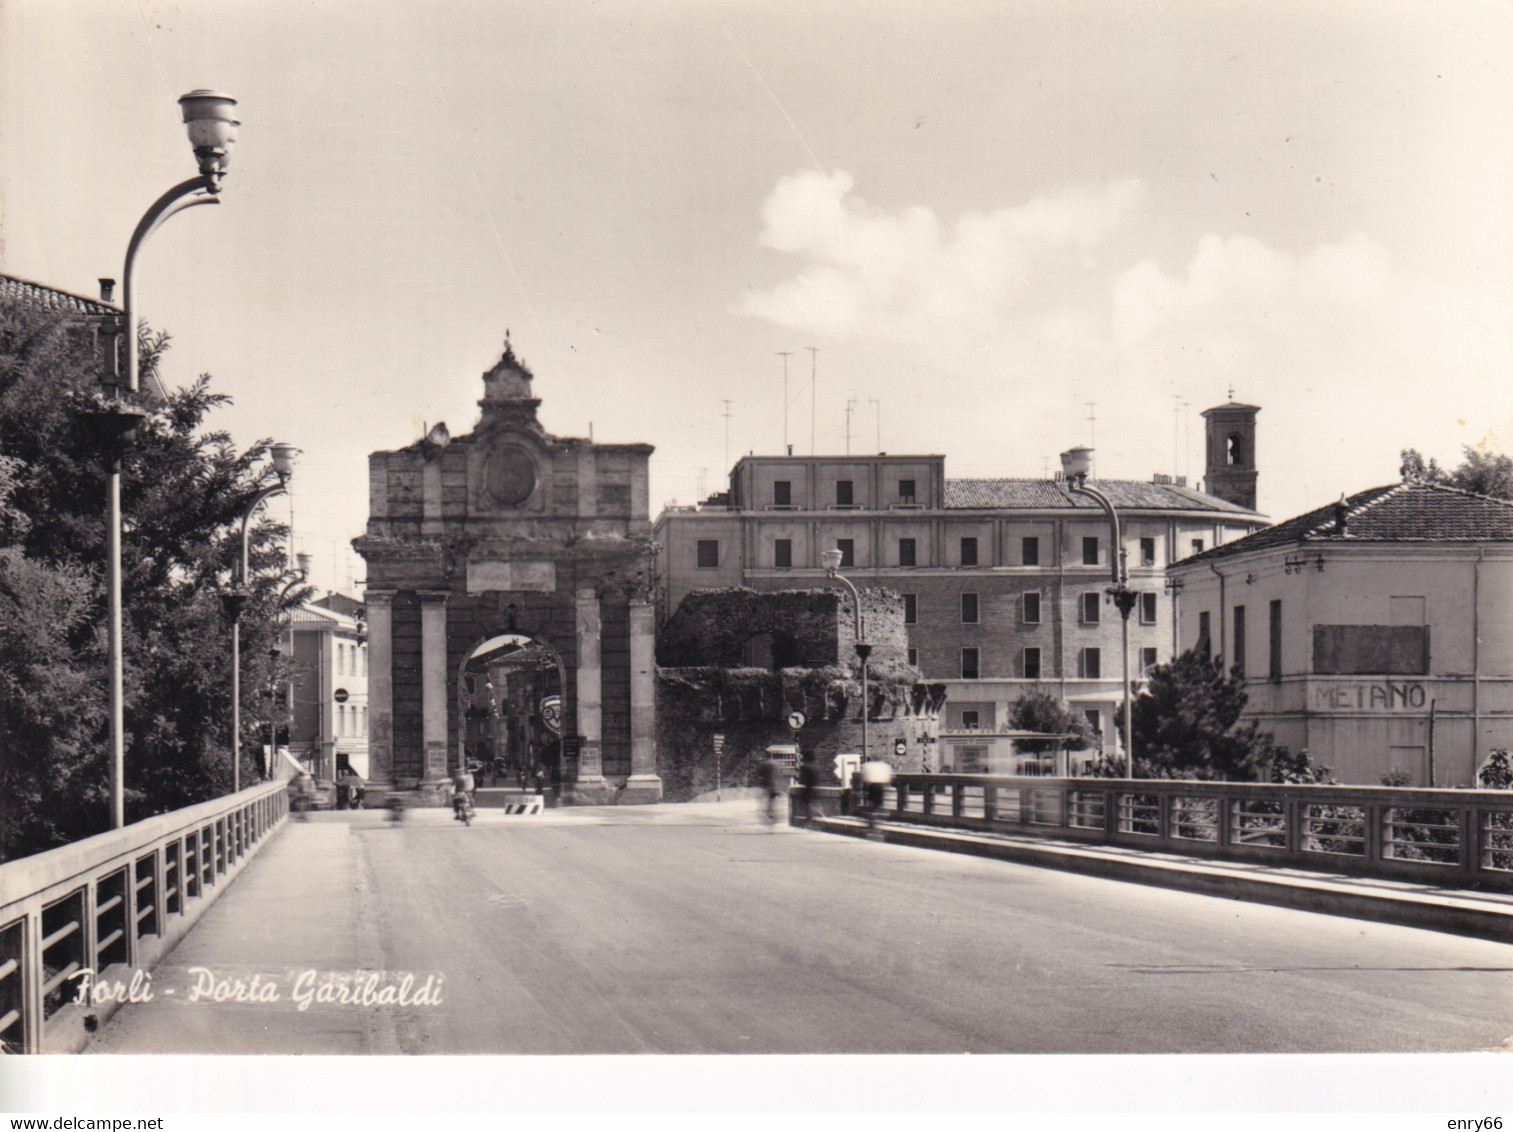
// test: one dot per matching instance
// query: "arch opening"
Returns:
(510, 704)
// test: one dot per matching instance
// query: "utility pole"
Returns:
(850, 405)
(878, 405)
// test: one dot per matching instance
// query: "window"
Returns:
(1094, 720)
(709, 553)
(906, 552)
(1205, 643)
(843, 494)
(1090, 608)
(1197, 546)
(1092, 664)
(1031, 608)
(1147, 609)
(1147, 661)
(1274, 643)
(970, 719)
(1029, 551)
(782, 553)
(847, 547)
(969, 664)
(341, 719)
(1371, 650)
(969, 609)
(969, 552)
(1032, 664)
(1239, 645)
(782, 493)
(341, 658)
(1090, 552)
(1147, 552)
(364, 730)
(913, 658)
(911, 609)
(906, 491)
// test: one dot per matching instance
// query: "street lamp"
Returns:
(236, 597)
(211, 124)
(1075, 465)
(832, 563)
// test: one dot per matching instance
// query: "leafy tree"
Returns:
(1039, 710)
(1482, 471)
(1187, 725)
(183, 494)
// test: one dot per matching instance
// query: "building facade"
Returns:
(1002, 580)
(1376, 633)
(511, 532)
(327, 690)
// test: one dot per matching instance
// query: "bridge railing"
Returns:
(112, 905)
(1447, 838)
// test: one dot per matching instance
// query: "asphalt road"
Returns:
(695, 929)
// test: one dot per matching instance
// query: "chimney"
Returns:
(107, 290)
(1341, 517)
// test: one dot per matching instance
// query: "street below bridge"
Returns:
(698, 929)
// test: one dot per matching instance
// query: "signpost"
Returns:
(719, 750)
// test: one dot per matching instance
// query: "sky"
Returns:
(991, 230)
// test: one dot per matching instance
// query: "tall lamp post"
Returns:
(234, 599)
(832, 562)
(211, 122)
(1075, 465)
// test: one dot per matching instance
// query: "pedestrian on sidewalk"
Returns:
(877, 773)
(774, 779)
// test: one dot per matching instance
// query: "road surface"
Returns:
(696, 929)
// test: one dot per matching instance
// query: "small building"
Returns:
(1012, 752)
(1375, 632)
(327, 690)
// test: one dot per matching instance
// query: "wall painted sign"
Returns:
(1388, 695)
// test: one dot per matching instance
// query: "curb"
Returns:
(1332, 895)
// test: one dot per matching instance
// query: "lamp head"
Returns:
(831, 560)
(210, 119)
(1076, 463)
(283, 460)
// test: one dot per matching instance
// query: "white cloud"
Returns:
(1038, 309)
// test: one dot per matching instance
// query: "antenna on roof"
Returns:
(726, 415)
(850, 405)
(1092, 433)
(784, 354)
(813, 386)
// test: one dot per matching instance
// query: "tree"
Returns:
(1041, 711)
(1187, 725)
(183, 494)
(1482, 471)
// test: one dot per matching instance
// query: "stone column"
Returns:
(590, 787)
(380, 613)
(433, 684)
(643, 785)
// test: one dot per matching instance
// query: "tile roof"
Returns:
(34, 294)
(1411, 511)
(1053, 494)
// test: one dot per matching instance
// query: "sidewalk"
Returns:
(1485, 915)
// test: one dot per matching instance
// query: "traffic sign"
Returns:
(900, 748)
(796, 720)
(340, 695)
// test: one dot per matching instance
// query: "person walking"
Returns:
(877, 773)
(462, 795)
(774, 779)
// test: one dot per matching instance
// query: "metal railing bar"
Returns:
(8, 967)
(105, 943)
(9, 1019)
(59, 979)
(62, 933)
(108, 905)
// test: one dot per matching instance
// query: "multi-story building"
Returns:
(1003, 580)
(1375, 632)
(328, 688)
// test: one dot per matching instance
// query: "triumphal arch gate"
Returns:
(509, 610)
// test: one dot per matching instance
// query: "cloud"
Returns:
(907, 277)
(1025, 315)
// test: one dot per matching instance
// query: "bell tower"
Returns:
(1231, 471)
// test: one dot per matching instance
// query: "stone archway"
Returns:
(509, 708)
(511, 530)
